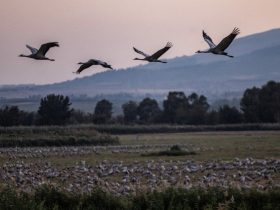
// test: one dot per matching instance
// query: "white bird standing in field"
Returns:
(222, 46)
(155, 56)
(91, 62)
(41, 53)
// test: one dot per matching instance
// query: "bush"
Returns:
(175, 150)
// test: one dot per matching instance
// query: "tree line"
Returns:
(258, 105)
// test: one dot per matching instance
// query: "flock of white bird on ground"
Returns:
(215, 49)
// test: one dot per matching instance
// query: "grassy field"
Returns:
(135, 167)
(221, 145)
(216, 145)
(208, 146)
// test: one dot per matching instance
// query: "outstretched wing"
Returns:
(32, 49)
(162, 51)
(45, 47)
(83, 67)
(228, 40)
(208, 40)
(102, 63)
(140, 52)
(106, 65)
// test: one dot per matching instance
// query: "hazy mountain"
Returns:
(257, 60)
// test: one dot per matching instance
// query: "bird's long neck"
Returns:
(140, 59)
(203, 51)
(27, 56)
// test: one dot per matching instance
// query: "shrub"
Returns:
(175, 150)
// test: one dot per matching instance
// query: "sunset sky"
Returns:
(108, 29)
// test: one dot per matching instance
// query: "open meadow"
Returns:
(133, 163)
(226, 168)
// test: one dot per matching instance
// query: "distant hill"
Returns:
(257, 60)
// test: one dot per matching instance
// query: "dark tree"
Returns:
(9, 116)
(103, 112)
(262, 105)
(80, 117)
(250, 105)
(193, 99)
(212, 118)
(175, 107)
(198, 109)
(12, 116)
(130, 111)
(269, 96)
(27, 118)
(54, 110)
(230, 115)
(149, 111)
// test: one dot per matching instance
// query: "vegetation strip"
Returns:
(47, 198)
(53, 136)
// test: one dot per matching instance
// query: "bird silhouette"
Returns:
(41, 53)
(154, 57)
(222, 46)
(91, 62)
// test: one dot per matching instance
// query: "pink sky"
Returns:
(108, 29)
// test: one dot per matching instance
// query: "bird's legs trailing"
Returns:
(160, 61)
(225, 54)
(202, 51)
